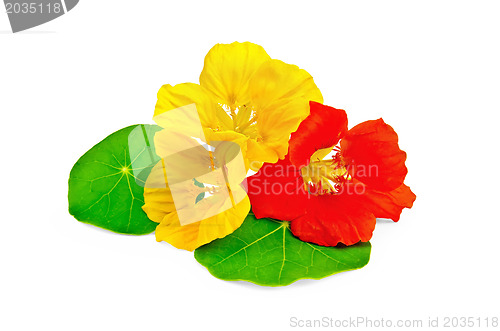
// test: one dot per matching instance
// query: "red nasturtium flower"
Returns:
(334, 199)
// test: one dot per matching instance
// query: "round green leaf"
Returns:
(105, 183)
(265, 252)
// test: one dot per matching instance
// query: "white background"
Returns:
(431, 69)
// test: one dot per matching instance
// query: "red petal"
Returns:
(321, 129)
(333, 219)
(389, 204)
(277, 191)
(373, 156)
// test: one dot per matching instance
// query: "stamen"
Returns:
(242, 127)
(238, 114)
(227, 109)
(325, 176)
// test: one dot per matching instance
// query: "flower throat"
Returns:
(325, 175)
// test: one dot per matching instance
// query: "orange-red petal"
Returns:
(323, 128)
(276, 191)
(389, 204)
(371, 151)
(331, 220)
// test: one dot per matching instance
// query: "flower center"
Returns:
(200, 192)
(241, 119)
(325, 176)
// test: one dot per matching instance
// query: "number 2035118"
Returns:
(33, 8)
(477, 322)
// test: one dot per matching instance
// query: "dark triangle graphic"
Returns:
(70, 4)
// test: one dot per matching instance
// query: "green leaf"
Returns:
(105, 183)
(265, 252)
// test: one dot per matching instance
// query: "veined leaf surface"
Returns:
(265, 252)
(104, 187)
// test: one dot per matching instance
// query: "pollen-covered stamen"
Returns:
(325, 176)
(251, 121)
(242, 118)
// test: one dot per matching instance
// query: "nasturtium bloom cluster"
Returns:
(274, 112)
(250, 169)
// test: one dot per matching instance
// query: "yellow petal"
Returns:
(228, 69)
(258, 153)
(280, 95)
(192, 236)
(228, 135)
(168, 142)
(157, 195)
(159, 206)
(159, 203)
(172, 97)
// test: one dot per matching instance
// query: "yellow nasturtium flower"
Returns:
(244, 91)
(244, 97)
